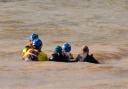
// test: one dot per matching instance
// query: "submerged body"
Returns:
(34, 55)
(60, 55)
(86, 58)
(32, 50)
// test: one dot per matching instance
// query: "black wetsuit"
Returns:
(88, 58)
(59, 57)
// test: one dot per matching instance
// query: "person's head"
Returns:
(33, 36)
(85, 49)
(66, 47)
(58, 49)
(37, 44)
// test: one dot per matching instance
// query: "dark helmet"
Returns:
(66, 47)
(33, 36)
(58, 49)
(37, 43)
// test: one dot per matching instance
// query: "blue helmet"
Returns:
(33, 36)
(58, 49)
(66, 47)
(37, 43)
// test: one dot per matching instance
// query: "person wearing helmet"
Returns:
(85, 57)
(29, 43)
(32, 37)
(37, 44)
(58, 55)
(67, 50)
(35, 53)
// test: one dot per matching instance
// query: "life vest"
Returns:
(42, 56)
(31, 54)
(35, 55)
(25, 49)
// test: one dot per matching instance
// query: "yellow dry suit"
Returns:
(41, 56)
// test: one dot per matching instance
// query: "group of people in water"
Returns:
(32, 52)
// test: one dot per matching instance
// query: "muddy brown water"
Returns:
(100, 24)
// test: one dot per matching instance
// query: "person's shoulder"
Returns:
(42, 53)
(29, 43)
(42, 56)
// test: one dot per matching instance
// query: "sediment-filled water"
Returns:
(100, 24)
